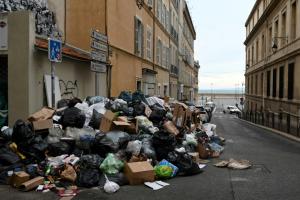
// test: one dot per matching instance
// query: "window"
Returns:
(256, 85)
(163, 16)
(283, 28)
(276, 32)
(291, 81)
(270, 40)
(150, 3)
(164, 49)
(149, 43)
(281, 82)
(263, 46)
(268, 83)
(167, 57)
(262, 84)
(293, 20)
(165, 90)
(274, 82)
(139, 37)
(252, 85)
(158, 52)
(257, 50)
(252, 55)
(158, 12)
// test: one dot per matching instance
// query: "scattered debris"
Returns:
(234, 164)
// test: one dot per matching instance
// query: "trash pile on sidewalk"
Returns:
(106, 143)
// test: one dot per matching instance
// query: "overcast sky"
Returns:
(220, 27)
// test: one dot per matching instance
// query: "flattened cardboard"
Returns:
(42, 124)
(43, 114)
(18, 178)
(32, 184)
(138, 173)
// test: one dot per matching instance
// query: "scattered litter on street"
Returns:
(234, 164)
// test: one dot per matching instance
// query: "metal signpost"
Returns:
(55, 56)
(99, 55)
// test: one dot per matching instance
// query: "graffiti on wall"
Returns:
(68, 89)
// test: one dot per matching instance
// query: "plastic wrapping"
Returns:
(110, 187)
(111, 164)
(134, 147)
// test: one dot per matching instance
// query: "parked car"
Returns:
(231, 110)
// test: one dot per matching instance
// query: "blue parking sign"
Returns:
(54, 50)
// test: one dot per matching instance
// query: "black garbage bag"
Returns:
(4, 173)
(139, 109)
(126, 96)
(7, 157)
(138, 97)
(158, 113)
(73, 102)
(62, 103)
(163, 143)
(22, 133)
(88, 178)
(59, 148)
(73, 117)
(110, 142)
(148, 149)
(91, 161)
(33, 170)
(184, 162)
(118, 178)
(6, 134)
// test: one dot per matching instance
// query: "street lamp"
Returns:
(211, 90)
(275, 45)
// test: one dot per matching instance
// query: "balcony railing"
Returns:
(174, 70)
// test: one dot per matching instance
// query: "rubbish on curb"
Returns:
(234, 164)
(157, 185)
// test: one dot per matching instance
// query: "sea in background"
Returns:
(222, 97)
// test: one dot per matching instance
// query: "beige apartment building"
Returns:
(150, 48)
(273, 64)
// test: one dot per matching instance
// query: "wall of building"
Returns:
(26, 74)
(59, 7)
(81, 18)
(261, 58)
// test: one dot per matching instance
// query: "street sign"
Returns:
(99, 56)
(98, 67)
(99, 46)
(54, 50)
(99, 36)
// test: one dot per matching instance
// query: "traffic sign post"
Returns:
(99, 55)
(55, 56)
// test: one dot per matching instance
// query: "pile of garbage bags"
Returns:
(105, 143)
(45, 22)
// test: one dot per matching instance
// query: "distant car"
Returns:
(231, 110)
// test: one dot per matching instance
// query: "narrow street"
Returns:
(274, 175)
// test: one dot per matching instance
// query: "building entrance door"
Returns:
(3, 91)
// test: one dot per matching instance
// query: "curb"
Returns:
(288, 136)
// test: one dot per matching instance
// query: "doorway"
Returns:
(3, 91)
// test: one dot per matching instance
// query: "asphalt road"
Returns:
(275, 174)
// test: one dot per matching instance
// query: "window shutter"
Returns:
(136, 44)
(142, 42)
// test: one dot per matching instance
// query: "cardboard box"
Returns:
(43, 114)
(171, 128)
(139, 172)
(179, 114)
(31, 184)
(106, 121)
(43, 124)
(203, 152)
(18, 178)
(109, 122)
